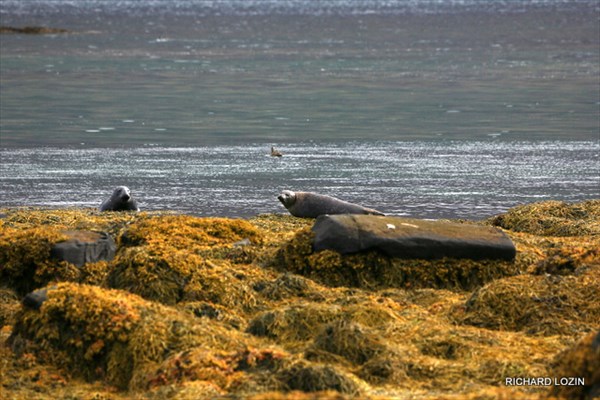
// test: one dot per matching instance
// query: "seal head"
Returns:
(287, 198)
(120, 200)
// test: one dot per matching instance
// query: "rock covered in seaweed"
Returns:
(82, 247)
(552, 218)
(538, 304)
(113, 335)
(26, 261)
(373, 269)
(581, 361)
(377, 332)
(182, 258)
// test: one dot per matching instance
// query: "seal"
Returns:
(275, 153)
(120, 200)
(311, 205)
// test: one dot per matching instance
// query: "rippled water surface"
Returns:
(432, 179)
(432, 108)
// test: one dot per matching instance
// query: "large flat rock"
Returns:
(410, 238)
(85, 247)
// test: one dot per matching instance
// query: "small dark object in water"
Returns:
(275, 153)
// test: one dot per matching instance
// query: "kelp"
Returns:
(71, 219)
(373, 270)
(189, 233)
(9, 305)
(112, 335)
(25, 262)
(195, 308)
(581, 361)
(538, 304)
(552, 218)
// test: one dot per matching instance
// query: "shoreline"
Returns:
(256, 308)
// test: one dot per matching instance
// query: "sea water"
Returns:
(426, 108)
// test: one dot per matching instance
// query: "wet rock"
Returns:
(35, 299)
(84, 247)
(410, 238)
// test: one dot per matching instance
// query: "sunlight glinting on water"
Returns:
(425, 179)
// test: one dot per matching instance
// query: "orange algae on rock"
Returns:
(25, 262)
(181, 258)
(319, 325)
(69, 219)
(111, 335)
(375, 270)
(538, 304)
(581, 361)
(191, 233)
(552, 218)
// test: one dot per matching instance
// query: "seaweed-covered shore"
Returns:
(205, 308)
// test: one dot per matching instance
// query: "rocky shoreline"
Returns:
(160, 305)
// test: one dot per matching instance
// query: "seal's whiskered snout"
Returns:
(280, 198)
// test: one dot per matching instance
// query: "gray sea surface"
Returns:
(427, 108)
(428, 179)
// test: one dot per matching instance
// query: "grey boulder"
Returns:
(410, 238)
(84, 247)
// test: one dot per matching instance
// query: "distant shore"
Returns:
(32, 30)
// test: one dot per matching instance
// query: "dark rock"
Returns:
(410, 238)
(85, 247)
(35, 299)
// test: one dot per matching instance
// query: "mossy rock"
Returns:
(373, 270)
(311, 377)
(190, 233)
(111, 335)
(218, 283)
(158, 274)
(303, 321)
(25, 258)
(298, 395)
(348, 339)
(290, 285)
(206, 309)
(70, 219)
(169, 275)
(293, 323)
(582, 361)
(552, 218)
(538, 304)
(569, 259)
(9, 306)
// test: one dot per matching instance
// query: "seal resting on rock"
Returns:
(311, 205)
(120, 200)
